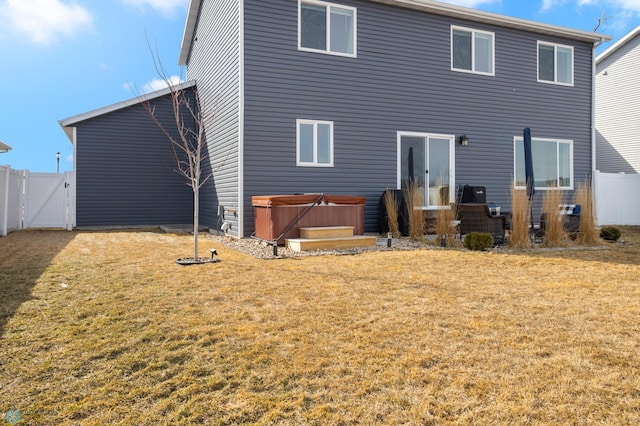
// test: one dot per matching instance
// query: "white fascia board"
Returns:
(189, 30)
(618, 44)
(67, 124)
(495, 19)
(4, 147)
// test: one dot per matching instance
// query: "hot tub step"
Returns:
(326, 232)
(302, 244)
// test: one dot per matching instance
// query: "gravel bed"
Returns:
(262, 250)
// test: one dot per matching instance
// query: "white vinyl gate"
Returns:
(35, 200)
(617, 198)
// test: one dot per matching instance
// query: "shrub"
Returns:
(478, 241)
(610, 233)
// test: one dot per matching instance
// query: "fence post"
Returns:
(5, 202)
(69, 199)
(594, 194)
(23, 199)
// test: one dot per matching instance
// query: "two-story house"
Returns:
(316, 96)
(357, 96)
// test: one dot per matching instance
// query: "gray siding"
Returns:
(214, 63)
(618, 110)
(125, 171)
(400, 81)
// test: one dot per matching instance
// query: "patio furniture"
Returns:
(476, 217)
(473, 194)
(570, 216)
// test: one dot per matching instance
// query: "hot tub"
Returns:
(274, 213)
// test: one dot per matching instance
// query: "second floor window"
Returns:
(555, 63)
(327, 28)
(472, 50)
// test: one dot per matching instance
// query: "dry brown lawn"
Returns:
(103, 328)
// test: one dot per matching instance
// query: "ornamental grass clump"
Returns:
(587, 234)
(554, 233)
(520, 218)
(393, 206)
(414, 195)
(445, 220)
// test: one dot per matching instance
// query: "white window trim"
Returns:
(314, 163)
(327, 51)
(555, 63)
(473, 50)
(520, 139)
(452, 163)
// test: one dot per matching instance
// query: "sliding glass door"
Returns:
(426, 162)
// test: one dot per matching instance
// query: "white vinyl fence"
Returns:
(35, 200)
(617, 198)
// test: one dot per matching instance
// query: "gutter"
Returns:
(189, 29)
(4, 147)
(593, 126)
(461, 12)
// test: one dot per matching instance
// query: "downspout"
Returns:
(241, 209)
(593, 127)
(72, 207)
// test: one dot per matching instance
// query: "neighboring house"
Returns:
(125, 167)
(618, 106)
(306, 96)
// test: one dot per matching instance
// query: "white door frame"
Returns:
(452, 160)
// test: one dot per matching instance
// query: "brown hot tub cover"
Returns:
(302, 199)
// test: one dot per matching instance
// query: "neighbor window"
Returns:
(327, 28)
(315, 143)
(472, 50)
(555, 63)
(552, 163)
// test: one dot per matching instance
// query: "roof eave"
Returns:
(496, 19)
(68, 123)
(4, 147)
(189, 30)
(618, 44)
(431, 7)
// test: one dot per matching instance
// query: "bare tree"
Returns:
(186, 134)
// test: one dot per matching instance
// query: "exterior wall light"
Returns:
(464, 140)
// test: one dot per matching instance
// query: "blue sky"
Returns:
(60, 58)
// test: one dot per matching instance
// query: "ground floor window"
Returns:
(427, 161)
(552, 163)
(314, 143)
